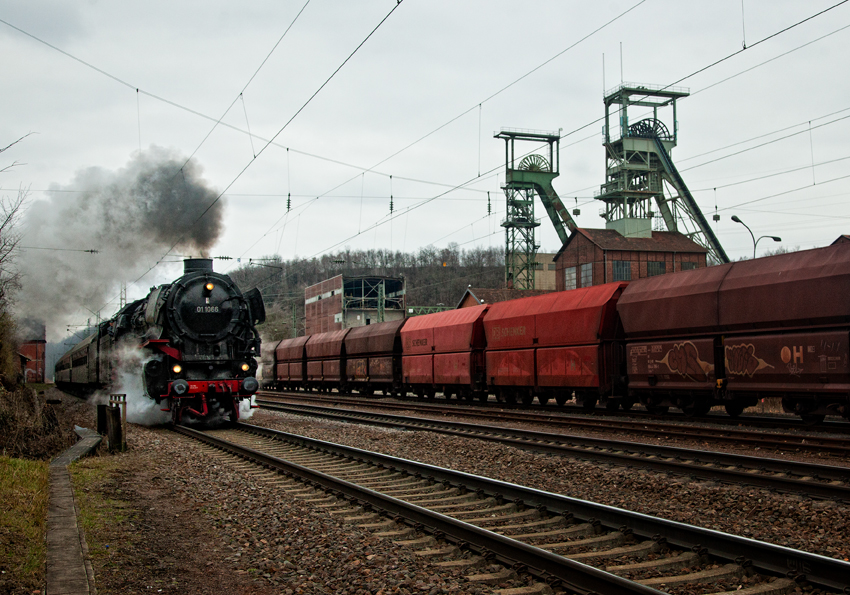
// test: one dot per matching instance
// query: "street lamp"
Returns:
(755, 241)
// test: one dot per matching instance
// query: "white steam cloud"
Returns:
(129, 361)
(131, 216)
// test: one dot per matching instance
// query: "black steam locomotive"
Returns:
(193, 341)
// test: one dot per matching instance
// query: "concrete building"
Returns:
(342, 302)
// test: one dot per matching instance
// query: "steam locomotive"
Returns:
(725, 335)
(194, 342)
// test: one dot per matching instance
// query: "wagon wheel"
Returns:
(734, 409)
(527, 398)
(811, 419)
(534, 163)
(542, 399)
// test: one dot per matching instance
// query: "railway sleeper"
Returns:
(397, 533)
(381, 525)
(459, 500)
(683, 560)
(530, 513)
(462, 563)
(555, 521)
(343, 511)
(493, 578)
(410, 491)
(405, 485)
(638, 550)
(361, 518)
(535, 589)
(430, 494)
(322, 501)
(469, 515)
(713, 575)
(578, 530)
(611, 539)
(417, 543)
(438, 552)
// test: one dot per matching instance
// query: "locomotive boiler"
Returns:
(193, 341)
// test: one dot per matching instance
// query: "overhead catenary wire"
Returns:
(598, 120)
(278, 133)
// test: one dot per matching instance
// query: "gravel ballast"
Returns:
(202, 525)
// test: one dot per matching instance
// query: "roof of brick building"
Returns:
(661, 241)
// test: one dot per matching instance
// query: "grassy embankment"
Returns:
(24, 493)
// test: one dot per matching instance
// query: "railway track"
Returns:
(575, 416)
(813, 480)
(569, 544)
(814, 443)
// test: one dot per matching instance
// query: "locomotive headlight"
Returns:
(209, 286)
(177, 368)
(245, 367)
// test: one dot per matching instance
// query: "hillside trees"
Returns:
(433, 276)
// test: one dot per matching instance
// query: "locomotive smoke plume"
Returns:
(131, 216)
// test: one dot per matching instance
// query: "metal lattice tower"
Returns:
(532, 175)
(640, 174)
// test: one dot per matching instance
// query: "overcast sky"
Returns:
(420, 101)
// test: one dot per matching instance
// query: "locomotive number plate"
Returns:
(207, 309)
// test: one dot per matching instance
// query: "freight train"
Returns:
(194, 340)
(725, 335)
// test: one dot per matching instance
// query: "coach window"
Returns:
(570, 278)
(622, 270)
(654, 268)
(587, 275)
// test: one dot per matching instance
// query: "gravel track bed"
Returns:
(815, 526)
(790, 453)
(254, 538)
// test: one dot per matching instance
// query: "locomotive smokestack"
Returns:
(191, 265)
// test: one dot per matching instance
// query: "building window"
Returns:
(551, 267)
(689, 266)
(654, 268)
(622, 270)
(587, 275)
(570, 278)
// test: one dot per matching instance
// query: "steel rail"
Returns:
(653, 428)
(765, 557)
(622, 452)
(573, 575)
(572, 413)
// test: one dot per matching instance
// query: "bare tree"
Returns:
(9, 146)
(11, 209)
